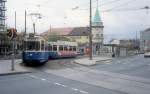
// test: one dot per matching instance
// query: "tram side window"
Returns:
(60, 47)
(54, 47)
(65, 48)
(74, 48)
(70, 48)
(50, 47)
(42, 45)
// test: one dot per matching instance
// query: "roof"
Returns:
(147, 30)
(74, 31)
(79, 31)
(97, 17)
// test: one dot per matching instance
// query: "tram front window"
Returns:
(32, 45)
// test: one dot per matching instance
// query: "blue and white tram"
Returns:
(34, 50)
(62, 49)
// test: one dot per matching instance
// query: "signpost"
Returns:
(12, 33)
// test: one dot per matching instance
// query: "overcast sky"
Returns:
(59, 13)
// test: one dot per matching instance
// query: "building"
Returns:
(145, 40)
(97, 33)
(4, 43)
(81, 34)
(122, 47)
(75, 34)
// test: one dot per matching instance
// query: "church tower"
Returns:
(97, 32)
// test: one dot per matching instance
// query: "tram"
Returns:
(62, 49)
(34, 50)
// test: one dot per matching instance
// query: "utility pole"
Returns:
(25, 22)
(34, 28)
(90, 35)
(13, 54)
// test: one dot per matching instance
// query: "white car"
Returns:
(147, 54)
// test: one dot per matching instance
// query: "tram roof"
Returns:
(33, 38)
(64, 43)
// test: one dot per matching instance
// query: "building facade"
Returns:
(145, 40)
(3, 37)
(97, 33)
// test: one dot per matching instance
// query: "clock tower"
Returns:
(97, 32)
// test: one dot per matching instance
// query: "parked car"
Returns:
(147, 54)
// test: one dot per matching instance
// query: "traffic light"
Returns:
(11, 33)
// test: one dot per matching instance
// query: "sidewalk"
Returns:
(95, 60)
(5, 67)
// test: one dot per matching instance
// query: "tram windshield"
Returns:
(32, 45)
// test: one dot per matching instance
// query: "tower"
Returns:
(97, 32)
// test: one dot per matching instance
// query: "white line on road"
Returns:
(56, 83)
(63, 85)
(43, 79)
(60, 84)
(32, 76)
(84, 92)
(74, 89)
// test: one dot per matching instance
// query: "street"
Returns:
(128, 75)
(134, 66)
(43, 83)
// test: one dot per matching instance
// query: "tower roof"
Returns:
(97, 17)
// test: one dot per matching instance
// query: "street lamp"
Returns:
(34, 18)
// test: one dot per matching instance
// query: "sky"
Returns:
(121, 24)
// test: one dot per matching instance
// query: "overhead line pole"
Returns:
(25, 22)
(13, 54)
(90, 35)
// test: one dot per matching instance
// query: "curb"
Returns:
(84, 64)
(104, 60)
(14, 73)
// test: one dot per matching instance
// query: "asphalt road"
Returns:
(134, 66)
(43, 83)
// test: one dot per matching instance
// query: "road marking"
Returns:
(43, 79)
(56, 83)
(84, 92)
(32, 76)
(64, 85)
(60, 84)
(74, 89)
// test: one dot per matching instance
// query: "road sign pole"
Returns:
(13, 56)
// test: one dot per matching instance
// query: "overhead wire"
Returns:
(121, 5)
